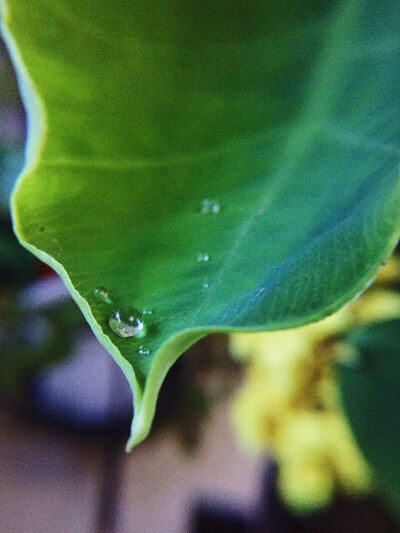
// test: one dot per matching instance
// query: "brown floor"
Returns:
(52, 483)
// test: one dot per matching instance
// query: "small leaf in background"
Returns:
(232, 166)
(30, 342)
(370, 388)
(15, 264)
(12, 131)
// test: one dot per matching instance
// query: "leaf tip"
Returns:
(140, 429)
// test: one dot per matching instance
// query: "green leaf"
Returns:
(284, 112)
(10, 166)
(34, 342)
(16, 264)
(371, 396)
(11, 132)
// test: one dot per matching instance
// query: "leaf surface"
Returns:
(371, 396)
(285, 113)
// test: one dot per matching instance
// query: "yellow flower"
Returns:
(289, 404)
(306, 484)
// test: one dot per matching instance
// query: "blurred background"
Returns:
(250, 433)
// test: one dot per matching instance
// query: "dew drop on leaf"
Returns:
(147, 311)
(58, 246)
(210, 207)
(126, 322)
(203, 258)
(144, 350)
(102, 295)
(205, 285)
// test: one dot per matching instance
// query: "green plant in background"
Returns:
(371, 390)
(206, 167)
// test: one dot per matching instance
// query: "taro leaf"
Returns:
(371, 396)
(286, 112)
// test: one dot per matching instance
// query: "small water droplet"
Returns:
(210, 207)
(102, 295)
(59, 247)
(126, 322)
(205, 285)
(144, 350)
(202, 258)
(147, 311)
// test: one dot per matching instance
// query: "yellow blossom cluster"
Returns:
(289, 404)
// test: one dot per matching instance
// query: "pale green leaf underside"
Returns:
(286, 114)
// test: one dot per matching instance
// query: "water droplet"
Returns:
(147, 311)
(144, 350)
(59, 247)
(126, 322)
(102, 295)
(202, 258)
(210, 207)
(205, 285)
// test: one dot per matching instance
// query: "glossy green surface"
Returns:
(286, 113)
